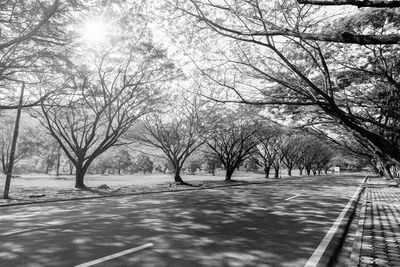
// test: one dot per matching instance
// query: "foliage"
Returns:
(177, 134)
(27, 145)
(144, 164)
(96, 107)
(232, 140)
(302, 63)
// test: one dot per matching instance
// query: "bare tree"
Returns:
(96, 110)
(269, 139)
(177, 134)
(233, 141)
(290, 150)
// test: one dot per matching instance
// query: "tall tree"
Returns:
(280, 57)
(27, 144)
(233, 141)
(290, 150)
(96, 108)
(358, 3)
(269, 140)
(32, 37)
(177, 134)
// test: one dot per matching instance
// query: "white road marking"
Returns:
(317, 255)
(289, 198)
(116, 255)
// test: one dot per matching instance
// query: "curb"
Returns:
(356, 250)
(327, 251)
(131, 194)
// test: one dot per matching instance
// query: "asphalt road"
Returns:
(276, 224)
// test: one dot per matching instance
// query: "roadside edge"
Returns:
(327, 250)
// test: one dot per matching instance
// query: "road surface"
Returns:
(274, 224)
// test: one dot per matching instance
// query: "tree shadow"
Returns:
(235, 226)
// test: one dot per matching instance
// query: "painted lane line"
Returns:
(320, 250)
(116, 255)
(289, 198)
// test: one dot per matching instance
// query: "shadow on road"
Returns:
(239, 226)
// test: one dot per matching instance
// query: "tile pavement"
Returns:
(377, 240)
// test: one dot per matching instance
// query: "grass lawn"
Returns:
(39, 187)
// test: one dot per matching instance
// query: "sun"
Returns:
(94, 31)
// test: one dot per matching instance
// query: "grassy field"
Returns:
(39, 187)
(113, 180)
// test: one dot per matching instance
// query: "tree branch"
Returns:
(359, 3)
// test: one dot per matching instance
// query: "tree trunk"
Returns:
(47, 168)
(290, 171)
(276, 172)
(79, 176)
(177, 175)
(308, 171)
(228, 174)
(4, 164)
(58, 161)
(387, 170)
(213, 171)
(266, 171)
(314, 172)
(301, 171)
(13, 145)
(319, 171)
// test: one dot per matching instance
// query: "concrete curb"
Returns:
(328, 249)
(356, 250)
(133, 194)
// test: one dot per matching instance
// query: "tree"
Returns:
(210, 162)
(177, 134)
(302, 67)
(269, 140)
(26, 146)
(33, 34)
(124, 161)
(358, 3)
(114, 160)
(163, 165)
(192, 165)
(314, 155)
(96, 108)
(289, 150)
(232, 141)
(144, 164)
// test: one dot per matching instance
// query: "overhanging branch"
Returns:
(359, 3)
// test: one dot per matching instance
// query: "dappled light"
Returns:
(238, 226)
(198, 132)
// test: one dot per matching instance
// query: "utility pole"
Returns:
(14, 144)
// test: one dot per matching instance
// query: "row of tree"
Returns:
(230, 138)
(189, 137)
(339, 73)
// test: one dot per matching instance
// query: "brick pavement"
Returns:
(377, 240)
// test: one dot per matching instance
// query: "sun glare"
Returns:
(94, 31)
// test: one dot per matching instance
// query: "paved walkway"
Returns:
(378, 234)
